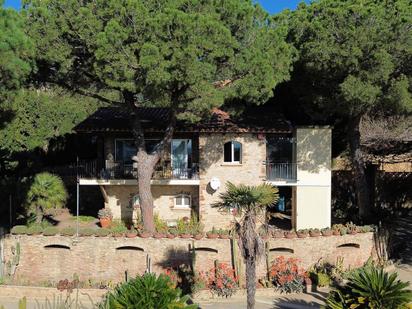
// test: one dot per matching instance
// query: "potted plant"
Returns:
(145, 234)
(352, 228)
(50, 231)
(302, 233)
(102, 232)
(223, 234)
(131, 233)
(290, 234)
(118, 229)
(278, 234)
(198, 236)
(326, 232)
(172, 233)
(105, 217)
(158, 235)
(314, 232)
(213, 234)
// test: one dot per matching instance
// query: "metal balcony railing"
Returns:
(94, 169)
(281, 171)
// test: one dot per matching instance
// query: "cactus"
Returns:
(267, 260)
(237, 263)
(193, 255)
(14, 261)
(23, 303)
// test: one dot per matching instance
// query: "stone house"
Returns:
(201, 158)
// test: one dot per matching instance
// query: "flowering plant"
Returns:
(222, 280)
(173, 276)
(286, 275)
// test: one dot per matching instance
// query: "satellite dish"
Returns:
(215, 183)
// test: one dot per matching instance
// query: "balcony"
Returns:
(281, 171)
(118, 170)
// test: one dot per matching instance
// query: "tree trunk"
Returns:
(361, 183)
(145, 168)
(146, 162)
(251, 281)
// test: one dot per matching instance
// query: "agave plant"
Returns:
(148, 291)
(46, 192)
(371, 287)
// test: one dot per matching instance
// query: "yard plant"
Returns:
(371, 287)
(46, 192)
(149, 291)
(250, 203)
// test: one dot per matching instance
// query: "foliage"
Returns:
(182, 226)
(118, 227)
(19, 229)
(160, 224)
(222, 280)
(105, 213)
(324, 273)
(102, 232)
(84, 219)
(148, 291)
(246, 198)
(40, 116)
(50, 231)
(354, 60)
(16, 51)
(68, 231)
(87, 231)
(286, 275)
(370, 287)
(34, 230)
(46, 192)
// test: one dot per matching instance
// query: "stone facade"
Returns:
(121, 197)
(53, 258)
(250, 170)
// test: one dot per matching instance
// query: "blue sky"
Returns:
(273, 6)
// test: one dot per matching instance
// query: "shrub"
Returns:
(286, 275)
(87, 231)
(370, 287)
(118, 227)
(322, 279)
(68, 231)
(222, 280)
(19, 229)
(34, 230)
(160, 224)
(46, 192)
(50, 231)
(102, 232)
(85, 219)
(148, 291)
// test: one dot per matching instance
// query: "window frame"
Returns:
(182, 195)
(232, 153)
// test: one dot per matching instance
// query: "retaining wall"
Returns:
(53, 258)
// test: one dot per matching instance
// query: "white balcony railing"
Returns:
(281, 171)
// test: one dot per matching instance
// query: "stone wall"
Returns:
(52, 258)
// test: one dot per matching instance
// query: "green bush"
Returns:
(86, 231)
(34, 230)
(19, 229)
(46, 192)
(118, 227)
(322, 279)
(50, 231)
(102, 232)
(148, 291)
(68, 231)
(370, 287)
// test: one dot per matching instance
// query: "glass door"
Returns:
(180, 158)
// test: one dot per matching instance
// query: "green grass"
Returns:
(84, 219)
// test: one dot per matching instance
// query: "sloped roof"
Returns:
(114, 119)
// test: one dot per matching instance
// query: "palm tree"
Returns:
(249, 202)
(46, 192)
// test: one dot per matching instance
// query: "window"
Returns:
(232, 152)
(182, 201)
(126, 149)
